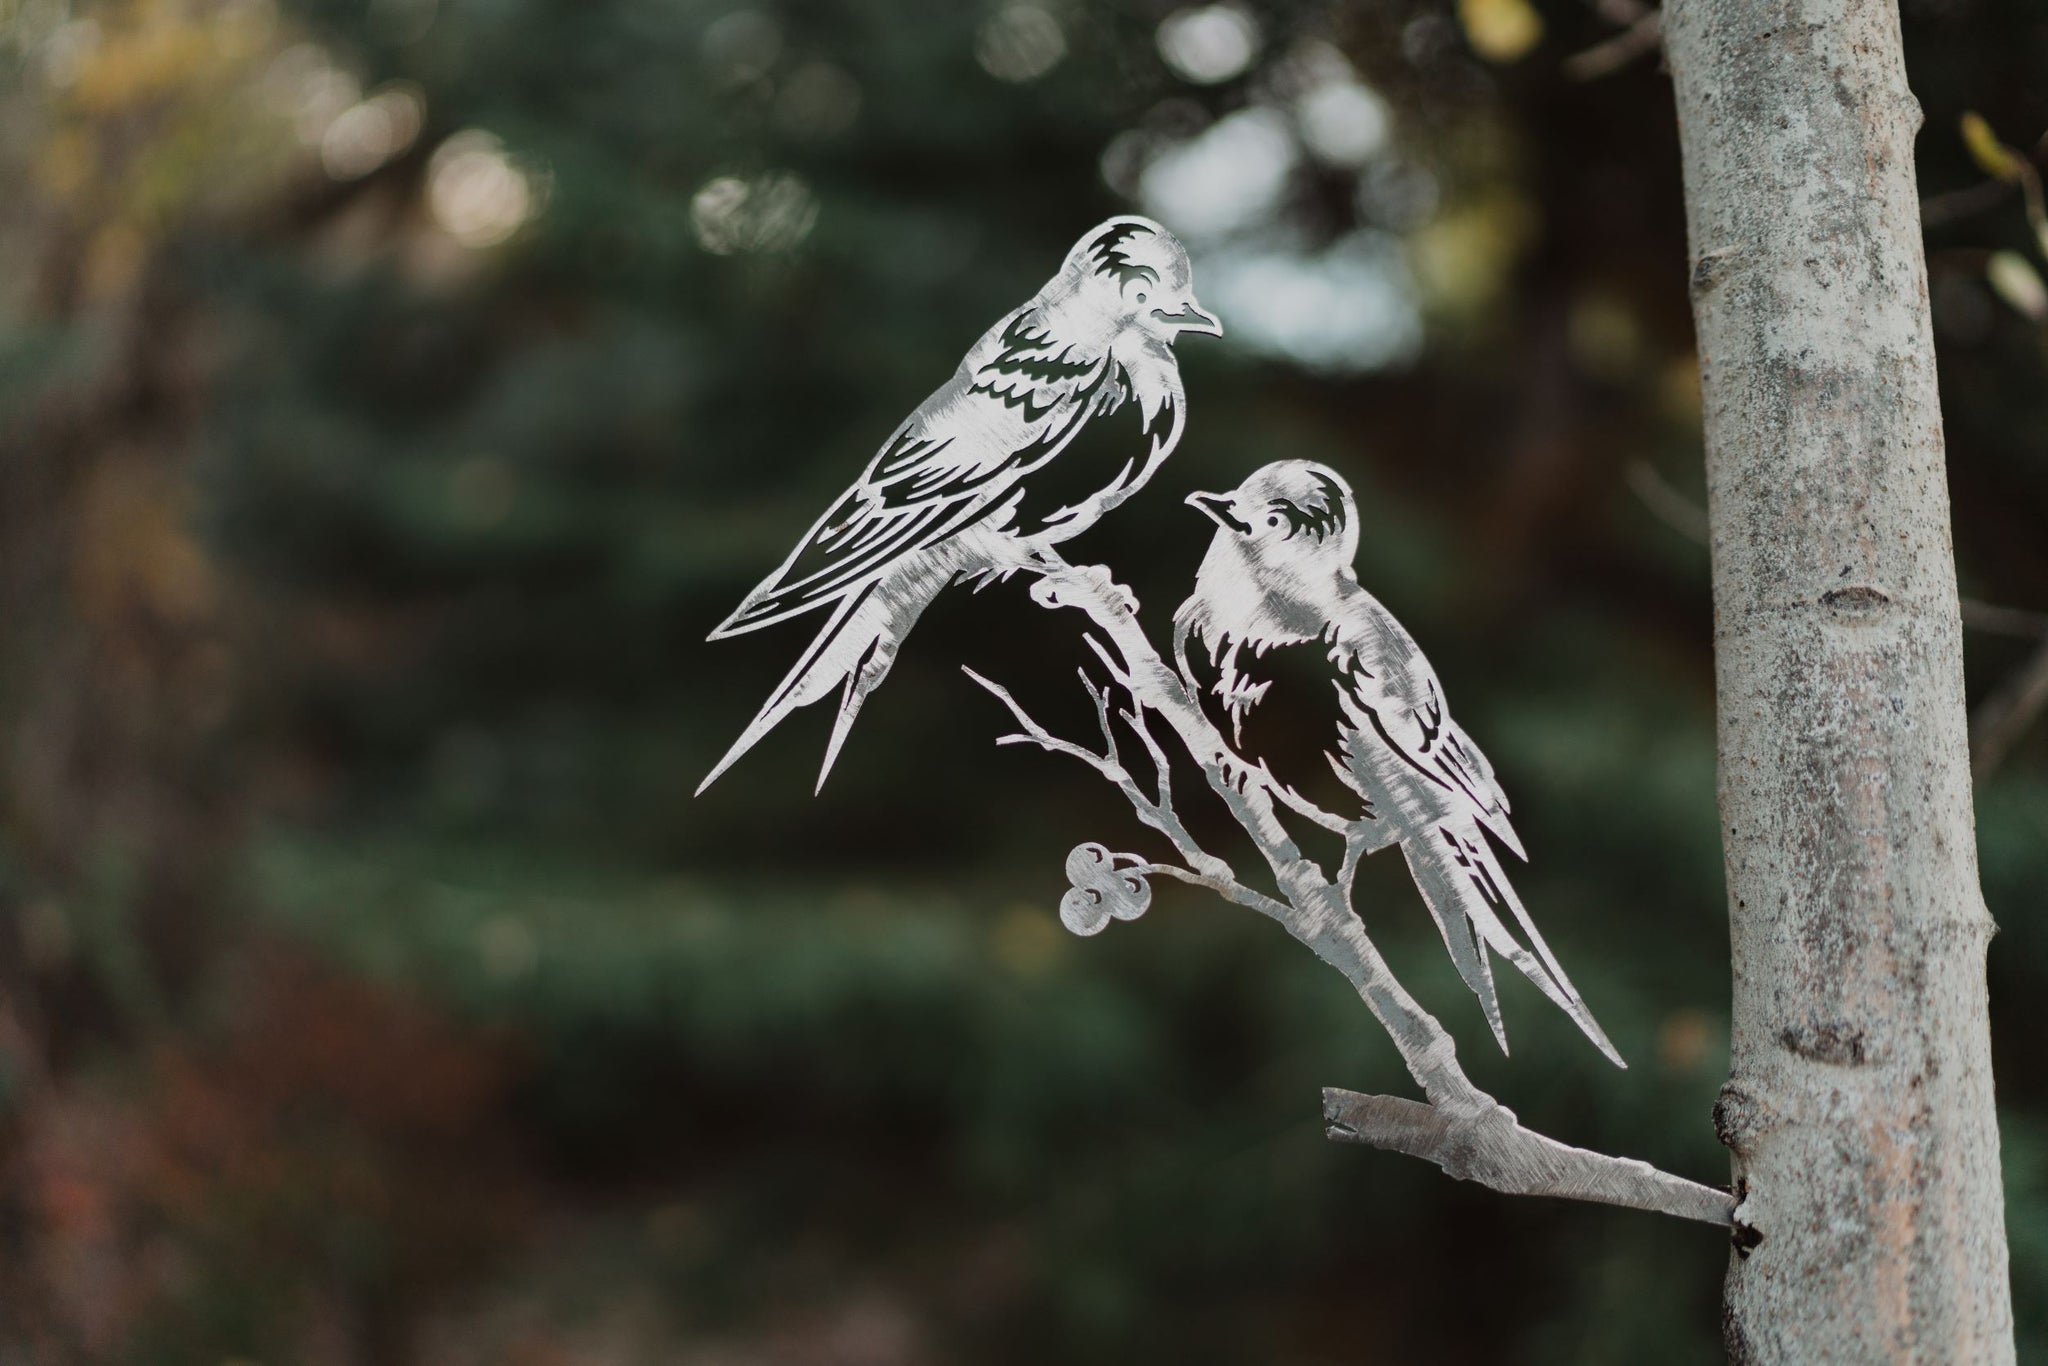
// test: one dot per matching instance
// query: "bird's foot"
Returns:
(1092, 579)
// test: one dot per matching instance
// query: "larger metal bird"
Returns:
(1278, 573)
(942, 500)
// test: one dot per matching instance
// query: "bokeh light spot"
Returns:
(1027, 940)
(1343, 122)
(1020, 43)
(1348, 309)
(67, 49)
(742, 46)
(1228, 178)
(1209, 44)
(769, 213)
(1500, 30)
(1684, 1039)
(304, 83)
(1603, 336)
(366, 135)
(2015, 280)
(476, 193)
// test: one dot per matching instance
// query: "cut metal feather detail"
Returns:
(941, 500)
(1279, 572)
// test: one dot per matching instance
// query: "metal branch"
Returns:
(1492, 1148)
(1357, 844)
(1461, 1128)
(1135, 719)
(1100, 696)
(1229, 888)
(1035, 734)
(1110, 663)
(1300, 805)
(1157, 814)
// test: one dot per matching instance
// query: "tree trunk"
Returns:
(1859, 1110)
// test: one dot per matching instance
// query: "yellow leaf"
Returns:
(113, 259)
(1463, 258)
(1679, 390)
(1603, 336)
(1993, 157)
(2015, 281)
(67, 163)
(1500, 30)
(1027, 939)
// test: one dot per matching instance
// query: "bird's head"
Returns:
(1132, 275)
(1291, 521)
(1280, 559)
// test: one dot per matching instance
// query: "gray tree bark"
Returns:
(1859, 1110)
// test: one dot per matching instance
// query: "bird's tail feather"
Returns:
(1445, 894)
(852, 652)
(1463, 885)
(813, 676)
(865, 676)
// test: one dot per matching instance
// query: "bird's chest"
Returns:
(1284, 707)
(1107, 446)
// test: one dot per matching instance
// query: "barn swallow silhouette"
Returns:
(1278, 573)
(941, 501)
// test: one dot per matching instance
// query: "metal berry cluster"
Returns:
(1101, 892)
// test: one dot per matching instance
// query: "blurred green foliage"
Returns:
(392, 395)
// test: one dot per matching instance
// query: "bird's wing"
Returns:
(1014, 404)
(1405, 755)
(1389, 691)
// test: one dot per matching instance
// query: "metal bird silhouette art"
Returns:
(1277, 588)
(944, 502)
(943, 499)
(1278, 573)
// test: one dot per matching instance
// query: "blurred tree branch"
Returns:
(2008, 713)
(1642, 34)
(1999, 721)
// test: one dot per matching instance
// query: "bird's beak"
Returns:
(1190, 318)
(1220, 509)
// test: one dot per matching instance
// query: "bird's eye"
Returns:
(1141, 296)
(1272, 521)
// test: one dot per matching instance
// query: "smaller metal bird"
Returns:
(1279, 573)
(945, 498)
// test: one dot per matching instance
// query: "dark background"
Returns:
(375, 991)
